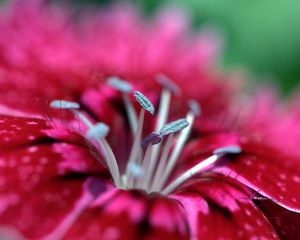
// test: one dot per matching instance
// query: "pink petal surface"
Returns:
(34, 181)
(39, 173)
(268, 171)
(17, 131)
(131, 215)
(216, 210)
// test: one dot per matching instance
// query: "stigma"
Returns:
(152, 159)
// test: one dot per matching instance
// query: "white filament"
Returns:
(163, 113)
(132, 118)
(176, 152)
(135, 150)
(162, 162)
(109, 156)
(200, 167)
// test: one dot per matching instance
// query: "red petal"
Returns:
(216, 210)
(17, 131)
(36, 193)
(286, 223)
(41, 178)
(122, 215)
(269, 172)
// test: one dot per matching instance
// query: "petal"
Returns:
(268, 171)
(18, 131)
(41, 186)
(216, 210)
(131, 215)
(43, 179)
(286, 223)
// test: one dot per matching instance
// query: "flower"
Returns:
(104, 174)
(59, 170)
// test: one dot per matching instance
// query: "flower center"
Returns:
(152, 159)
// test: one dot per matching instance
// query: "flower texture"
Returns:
(152, 157)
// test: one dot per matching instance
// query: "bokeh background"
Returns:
(262, 37)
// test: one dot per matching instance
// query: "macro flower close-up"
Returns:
(118, 126)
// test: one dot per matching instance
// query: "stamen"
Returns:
(98, 131)
(188, 174)
(166, 130)
(163, 109)
(135, 150)
(125, 88)
(73, 107)
(119, 84)
(139, 171)
(162, 162)
(146, 161)
(227, 150)
(63, 104)
(144, 102)
(202, 166)
(194, 107)
(152, 138)
(111, 161)
(136, 170)
(168, 84)
(174, 127)
(177, 150)
(163, 113)
(131, 113)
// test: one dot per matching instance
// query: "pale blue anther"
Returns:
(119, 84)
(136, 170)
(144, 102)
(98, 131)
(63, 104)
(194, 107)
(168, 84)
(174, 127)
(227, 150)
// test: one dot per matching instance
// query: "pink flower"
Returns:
(105, 174)
(62, 171)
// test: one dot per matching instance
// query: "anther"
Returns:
(63, 104)
(73, 107)
(202, 166)
(119, 84)
(227, 150)
(153, 138)
(144, 102)
(194, 107)
(98, 131)
(173, 127)
(168, 84)
(125, 88)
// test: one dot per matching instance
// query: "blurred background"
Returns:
(262, 36)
